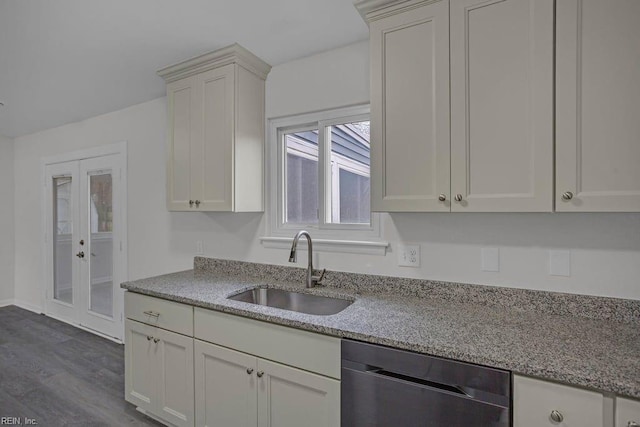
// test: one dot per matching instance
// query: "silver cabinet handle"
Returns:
(633, 424)
(156, 340)
(249, 371)
(567, 195)
(151, 313)
(197, 203)
(149, 338)
(556, 416)
(190, 203)
(458, 198)
(260, 374)
(442, 197)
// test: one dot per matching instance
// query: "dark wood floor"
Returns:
(60, 375)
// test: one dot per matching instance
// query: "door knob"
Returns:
(80, 254)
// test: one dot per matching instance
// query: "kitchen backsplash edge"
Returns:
(563, 304)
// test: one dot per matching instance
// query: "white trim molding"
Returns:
(330, 245)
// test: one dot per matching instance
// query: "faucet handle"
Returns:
(318, 279)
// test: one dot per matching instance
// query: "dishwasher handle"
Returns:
(417, 381)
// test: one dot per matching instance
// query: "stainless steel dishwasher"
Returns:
(382, 386)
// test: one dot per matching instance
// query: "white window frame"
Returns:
(327, 236)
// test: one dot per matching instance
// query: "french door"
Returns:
(84, 250)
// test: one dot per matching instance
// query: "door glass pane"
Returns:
(62, 244)
(350, 173)
(301, 177)
(101, 244)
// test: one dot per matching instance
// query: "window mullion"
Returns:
(324, 174)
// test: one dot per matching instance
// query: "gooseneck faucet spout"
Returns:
(311, 280)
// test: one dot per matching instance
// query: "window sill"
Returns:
(330, 245)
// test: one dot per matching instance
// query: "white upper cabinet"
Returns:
(410, 109)
(598, 105)
(476, 137)
(216, 132)
(502, 105)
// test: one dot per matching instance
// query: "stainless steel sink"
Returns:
(294, 301)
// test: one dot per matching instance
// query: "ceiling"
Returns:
(67, 60)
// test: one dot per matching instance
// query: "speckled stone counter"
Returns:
(586, 341)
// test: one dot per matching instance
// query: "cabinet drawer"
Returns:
(535, 400)
(627, 412)
(306, 350)
(158, 312)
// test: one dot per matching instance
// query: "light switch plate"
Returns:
(490, 259)
(409, 255)
(560, 263)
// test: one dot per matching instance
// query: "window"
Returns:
(320, 175)
(346, 196)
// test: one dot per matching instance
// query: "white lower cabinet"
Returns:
(236, 389)
(627, 412)
(159, 372)
(539, 403)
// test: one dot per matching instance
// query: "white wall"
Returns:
(605, 248)
(6, 220)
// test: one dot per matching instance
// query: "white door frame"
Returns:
(121, 257)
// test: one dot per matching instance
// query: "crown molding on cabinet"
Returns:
(234, 54)
(372, 10)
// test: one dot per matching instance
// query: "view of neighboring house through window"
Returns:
(346, 169)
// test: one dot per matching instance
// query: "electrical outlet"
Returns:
(199, 247)
(409, 255)
(490, 259)
(560, 263)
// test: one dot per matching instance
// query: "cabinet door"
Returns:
(502, 105)
(212, 153)
(140, 365)
(597, 104)
(174, 377)
(410, 110)
(627, 412)
(181, 115)
(225, 383)
(289, 397)
(534, 400)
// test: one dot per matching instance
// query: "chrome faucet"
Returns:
(311, 279)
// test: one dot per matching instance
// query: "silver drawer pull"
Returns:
(149, 338)
(156, 340)
(151, 313)
(556, 416)
(633, 424)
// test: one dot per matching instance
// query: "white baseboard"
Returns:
(6, 302)
(28, 306)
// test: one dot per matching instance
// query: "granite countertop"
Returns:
(594, 353)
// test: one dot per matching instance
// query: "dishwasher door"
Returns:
(382, 386)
